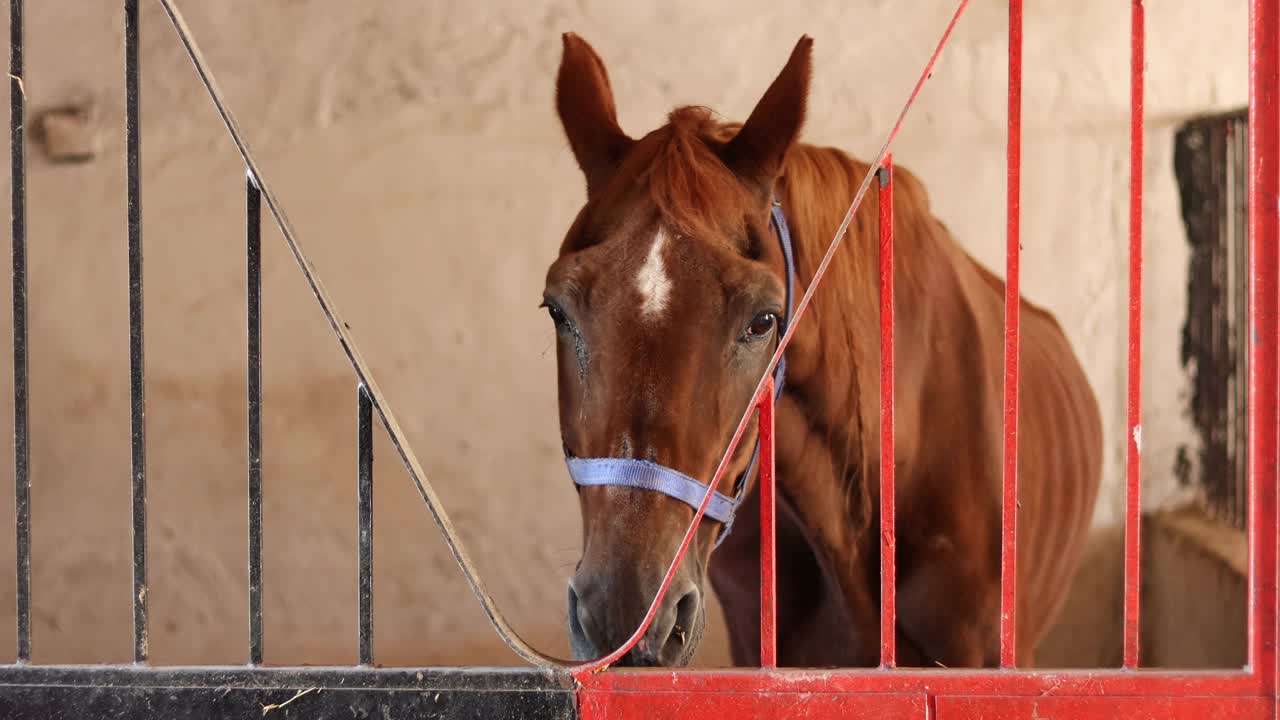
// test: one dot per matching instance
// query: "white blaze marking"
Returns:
(652, 280)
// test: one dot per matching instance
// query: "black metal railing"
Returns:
(28, 690)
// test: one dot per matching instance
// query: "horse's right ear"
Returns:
(584, 101)
(757, 152)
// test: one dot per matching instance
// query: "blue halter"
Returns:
(645, 475)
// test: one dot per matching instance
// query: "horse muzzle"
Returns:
(600, 622)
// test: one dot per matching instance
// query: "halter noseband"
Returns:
(645, 475)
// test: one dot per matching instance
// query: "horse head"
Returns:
(667, 299)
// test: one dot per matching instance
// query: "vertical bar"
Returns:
(768, 534)
(888, 533)
(1218, 322)
(1230, 321)
(21, 447)
(253, 256)
(1264, 232)
(1240, 324)
(1240, 297)
(137, 407)
(1009, 512)
(1222, 256)
(364, 490)
(1133, 439)
(1238, 183)
(1222, 279)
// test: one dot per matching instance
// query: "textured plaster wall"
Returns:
(415, 148)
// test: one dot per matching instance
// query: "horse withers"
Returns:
(668, 297)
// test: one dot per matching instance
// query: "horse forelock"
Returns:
(692, 188)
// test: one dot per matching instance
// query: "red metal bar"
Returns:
(1099, 708)
(1264, 234)
(768, 535)
(915, 706)
(1112, 683)
(1133, 439)
(1009, 513)
(742, 706)
(888, 538)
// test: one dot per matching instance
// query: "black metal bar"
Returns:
(137, 407)
(253, 297)
(364, 442)
(21, 448)
(218, 692)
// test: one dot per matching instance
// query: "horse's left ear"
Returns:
(584, 101)
(756, 153)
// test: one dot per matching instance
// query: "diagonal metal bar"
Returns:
(396, 434)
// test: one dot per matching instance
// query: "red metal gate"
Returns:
(1008, 693)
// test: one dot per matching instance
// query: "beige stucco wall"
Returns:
(415, 148)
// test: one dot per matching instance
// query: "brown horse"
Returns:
(665, 299)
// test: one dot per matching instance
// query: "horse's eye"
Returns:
(557, 315)
(761, 325)
(562, 323)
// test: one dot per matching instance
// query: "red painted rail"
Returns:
(1264, 234)
(1133, 439)
(888, 529)
(1012, 304)
(768, 534)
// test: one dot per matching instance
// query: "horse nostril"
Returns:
(576, 611)
(577, 633)
(683, 631)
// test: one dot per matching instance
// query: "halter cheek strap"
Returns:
(645, 475)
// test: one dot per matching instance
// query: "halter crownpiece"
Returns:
(645, 475)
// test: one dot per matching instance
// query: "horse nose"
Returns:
(595, 628)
